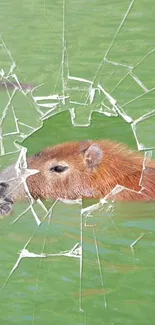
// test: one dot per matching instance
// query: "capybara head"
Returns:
(90, 169)
(66, 171)
(84, 169)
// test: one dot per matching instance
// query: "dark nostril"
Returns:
(3, 189)
(3, 184)
(7, 199)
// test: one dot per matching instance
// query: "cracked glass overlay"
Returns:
(114, 87)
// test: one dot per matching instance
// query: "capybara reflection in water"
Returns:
(89, 169)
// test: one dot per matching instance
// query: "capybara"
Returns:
(88, 169)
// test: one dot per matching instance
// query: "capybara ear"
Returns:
(84, 145)
(93, 155)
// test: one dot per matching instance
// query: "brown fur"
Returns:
(93, 171)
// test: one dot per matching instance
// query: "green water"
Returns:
(113, 283)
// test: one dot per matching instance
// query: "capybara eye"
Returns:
(58, 168)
